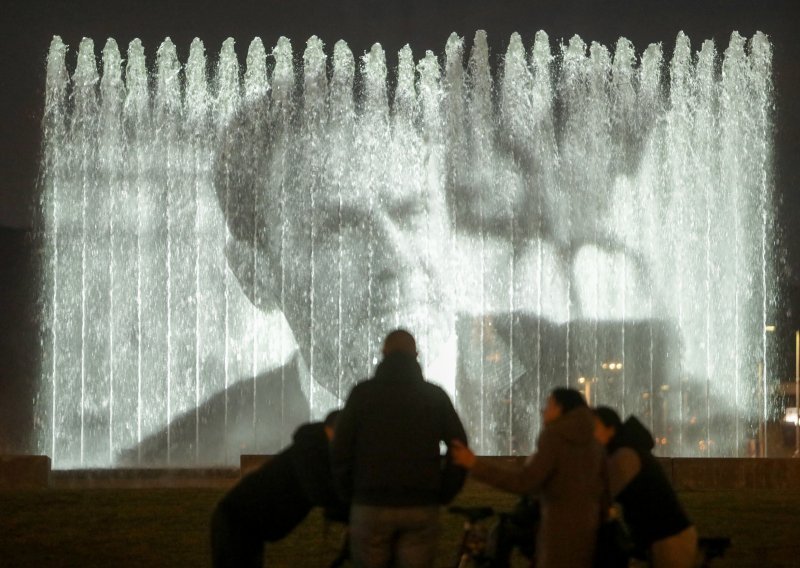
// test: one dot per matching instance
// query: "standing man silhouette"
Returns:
(387, 460)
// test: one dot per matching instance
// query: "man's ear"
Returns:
(253, 274)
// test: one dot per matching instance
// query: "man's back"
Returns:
(386, 460)
(387, 446)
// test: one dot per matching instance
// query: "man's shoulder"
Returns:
(436, 394)
(361, 385)
(435, 389)
(309, 432)
(372, 386)
(364, 385)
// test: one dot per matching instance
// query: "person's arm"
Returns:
(311, 460)
(530, 478)
(453, 476)
(623, 465)
(343, 448)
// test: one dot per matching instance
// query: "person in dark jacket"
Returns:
(267, 504)
(658, 523)
(566, 473)
(387, 458)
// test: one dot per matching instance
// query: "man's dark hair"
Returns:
(609, 417)
(400, 341)
(568, 399)
(330, 419)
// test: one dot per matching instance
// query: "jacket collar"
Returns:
(398, 366)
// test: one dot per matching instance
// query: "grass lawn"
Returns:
(169, 527)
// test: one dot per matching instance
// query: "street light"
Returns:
(762, 384)
(797, 393)
(587, 389)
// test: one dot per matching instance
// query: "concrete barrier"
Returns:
(702, 474)
(24, 472)
(686, 474)
(128, 478)
(709, 474)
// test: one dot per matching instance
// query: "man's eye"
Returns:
(408, 209)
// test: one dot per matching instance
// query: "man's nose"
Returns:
(393, 248)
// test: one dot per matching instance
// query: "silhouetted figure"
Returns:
(566, 472)
(516, 529)
(660, 528)
(387, 459)
(269, 503)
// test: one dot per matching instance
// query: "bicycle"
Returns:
(473, 548)
(476, 550)
(711, 548)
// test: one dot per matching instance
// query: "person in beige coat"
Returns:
(567, 475)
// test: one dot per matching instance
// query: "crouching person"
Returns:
(659, 526)
(267, 504)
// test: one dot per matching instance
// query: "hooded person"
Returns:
(658, 524)
(267, 504)
(387, 459)
(566, 473)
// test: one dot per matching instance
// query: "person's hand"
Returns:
(462, 455)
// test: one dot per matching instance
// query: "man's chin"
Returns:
(340, 357)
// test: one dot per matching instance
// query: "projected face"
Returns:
(347, 256)
(355, 226)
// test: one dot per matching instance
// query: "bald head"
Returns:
(400, 341)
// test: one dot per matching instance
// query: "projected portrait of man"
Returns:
(520, 222)
(339, 219)
(353, 221)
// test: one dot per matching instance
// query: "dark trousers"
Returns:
(394, 536)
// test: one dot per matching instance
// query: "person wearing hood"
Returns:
(267, 504)
(566, 473)
(387, 460)
(659, 526)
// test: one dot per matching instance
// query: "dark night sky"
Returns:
(27, 26)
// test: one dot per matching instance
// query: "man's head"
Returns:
(344, 228)
(400, 341)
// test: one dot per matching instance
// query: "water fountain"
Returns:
(223, 250)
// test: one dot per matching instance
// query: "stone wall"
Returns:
(686, 474)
